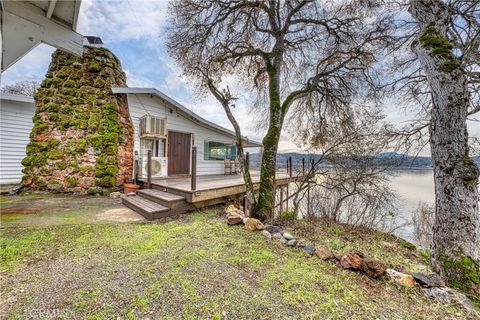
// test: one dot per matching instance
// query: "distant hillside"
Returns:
(400, 160)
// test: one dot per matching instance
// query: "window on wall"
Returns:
(219, 151)
(156, 145)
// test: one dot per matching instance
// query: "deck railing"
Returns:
(193, 179)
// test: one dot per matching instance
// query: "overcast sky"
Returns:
(134, 31)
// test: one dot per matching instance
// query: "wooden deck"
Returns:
(173, 195)
(212, 187)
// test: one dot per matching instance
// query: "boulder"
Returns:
(309, 248)
(291, 243)
(274, 229)
(402, 279)
(301, 243)
(323, 252)
(253, 224)
(267, 234)
(283, 240)
(115, 195)
(352, 261)
(234, 219)
(437, 294)
(428, 280)
(460, 298)
(277, 236)
(373, 269)
(449, 295)
(232, 209)
(287, 236)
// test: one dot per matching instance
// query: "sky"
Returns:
(135, 32)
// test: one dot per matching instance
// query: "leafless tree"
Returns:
(22, 88)
(440, 69)
(423, 219)
(353, 185)
(292, 54)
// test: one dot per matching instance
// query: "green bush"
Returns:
(287, 215)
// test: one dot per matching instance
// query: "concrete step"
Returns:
(149, 209)
(163, 198)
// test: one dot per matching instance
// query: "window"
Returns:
(156, 145)
(219, 151)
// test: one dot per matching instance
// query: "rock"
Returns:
(301, 243)
(274, 229)
(253, 224)
(462, 299)
(291, 243)
(115, 195)
(373, 269)
(277, 236)
(337, 255)
(437, 294)
(323, 252)
(351, 261)
(231, 209)
(287, 236)
(309, 248)
(267, 234)
(402, 279)
(428, 280)
(233, 219)
(283, 240)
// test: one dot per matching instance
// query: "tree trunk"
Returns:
(456, 231)
(266, 193)
(224, 101)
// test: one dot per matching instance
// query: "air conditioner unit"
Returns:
(152, 127)
(159, 167)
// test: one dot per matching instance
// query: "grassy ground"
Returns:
(193, 267)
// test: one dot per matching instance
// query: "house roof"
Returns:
(25, 24)
(16, 97)
(184, 111)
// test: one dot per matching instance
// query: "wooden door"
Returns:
(178, 153)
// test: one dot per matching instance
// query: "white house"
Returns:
(161, 125)
(16, 114)
(179, 129)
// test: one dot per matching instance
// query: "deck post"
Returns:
(281, 199)
(149, 169)
(194, 169)
(247, 161)
(135, 167)
(290, 166)
(303, 166)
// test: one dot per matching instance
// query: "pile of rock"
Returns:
(432, 284)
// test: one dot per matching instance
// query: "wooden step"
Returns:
(149, 209)
(166, 199)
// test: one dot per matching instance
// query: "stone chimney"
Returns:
(82, 138)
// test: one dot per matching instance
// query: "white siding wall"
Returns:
(15, 126)
(142, 104)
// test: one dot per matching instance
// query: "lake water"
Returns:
(413, 187)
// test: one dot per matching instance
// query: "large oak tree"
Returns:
(293, 54)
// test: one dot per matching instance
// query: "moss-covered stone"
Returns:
(71, 181)
(77, 124)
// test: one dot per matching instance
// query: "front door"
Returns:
(178, 153)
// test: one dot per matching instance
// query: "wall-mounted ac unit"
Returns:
(159, 167)
(152, 127)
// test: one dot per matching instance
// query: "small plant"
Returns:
(336, 230)
(287, 215)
